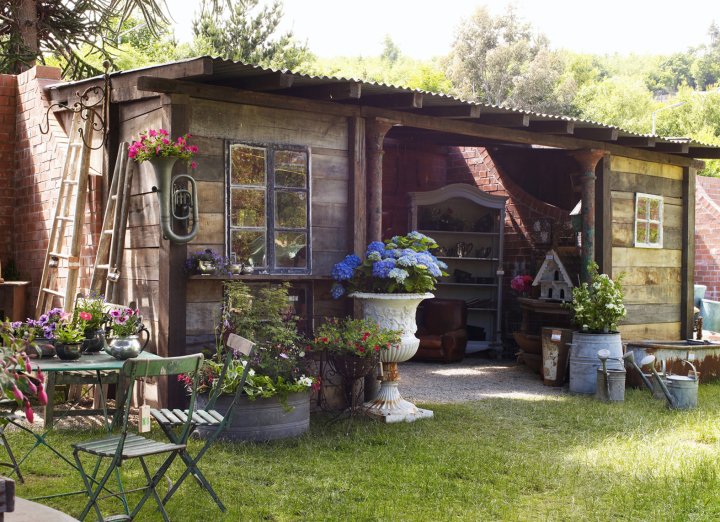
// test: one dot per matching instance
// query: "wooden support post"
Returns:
(358, 187)
(172, 283)
(375, 131)
(687, 307)
(588, 160)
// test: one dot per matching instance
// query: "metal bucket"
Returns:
(615, 386)
(684, 390)
(555, 353)
(584, 361)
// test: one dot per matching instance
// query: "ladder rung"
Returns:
(102, 267)
(72, 259)
(109, 232)
(96, 174)
(70, 181)
(65, 218)
(53, 292)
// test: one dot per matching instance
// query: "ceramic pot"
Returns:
(206, 267)
(44, 348)
(394, 312)
(94, 341)
(68, 352)
(127, 347)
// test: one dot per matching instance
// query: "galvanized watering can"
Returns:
(680, 391)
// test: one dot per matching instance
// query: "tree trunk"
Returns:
(27, 18)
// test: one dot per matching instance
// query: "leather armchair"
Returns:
(441, 330)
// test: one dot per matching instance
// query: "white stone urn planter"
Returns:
(395, 312)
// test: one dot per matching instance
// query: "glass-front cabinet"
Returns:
(468, 225)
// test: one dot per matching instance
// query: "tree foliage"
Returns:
(31, 29)
(244, 30)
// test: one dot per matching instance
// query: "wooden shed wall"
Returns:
(140, 270)
(211, 124)
(652, 277)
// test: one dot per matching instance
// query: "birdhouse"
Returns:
(554, 281)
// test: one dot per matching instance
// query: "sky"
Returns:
(425, 28)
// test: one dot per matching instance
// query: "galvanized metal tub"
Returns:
(684, 391)
(262, 419)
(704, 355)
(584, 361)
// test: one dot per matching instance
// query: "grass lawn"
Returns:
(566, 458)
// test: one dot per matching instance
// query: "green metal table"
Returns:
(99, 369)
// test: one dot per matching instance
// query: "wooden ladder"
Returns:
(70, 208)
(109, 254)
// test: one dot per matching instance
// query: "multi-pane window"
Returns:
(269, 207)
(648, 221)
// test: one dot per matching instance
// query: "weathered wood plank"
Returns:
(650, 276)
(204, 291)
(209, 168)
(323, 261)
(143, 209)
(146, 294)
(144, 236)
(634, 166)
(211, 197)
(331, 238)
(329, 215)
(651, 331)
(140, 264)
(604, 225)
(201, 317)
(688, 249)
(262, 125)
(132, 110)
(211, 228)
(647, 313)
(631, 195)
(628, 258)
(652, 294)
(629, 182)
(329, 167)
(323, 151)
(330, 191)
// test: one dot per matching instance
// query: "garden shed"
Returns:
(295, 171)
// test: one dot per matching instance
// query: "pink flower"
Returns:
(42, 396)
(85, 316)
(40, 376)
(31, 386)
(193, 165)
(17, 393)
(29, 413)
(152, 133)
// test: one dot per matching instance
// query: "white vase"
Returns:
(394, 312)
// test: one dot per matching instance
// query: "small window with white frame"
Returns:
(648, 221)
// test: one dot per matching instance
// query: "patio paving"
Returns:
(474, 378)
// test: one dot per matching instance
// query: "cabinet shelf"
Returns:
(451, 258)
(459, 233)
(471, 309)
(465, 284)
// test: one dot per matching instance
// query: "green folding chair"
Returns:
(126, 446)
(171, 420)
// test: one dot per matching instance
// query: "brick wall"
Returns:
(8, 95)
(707, 240)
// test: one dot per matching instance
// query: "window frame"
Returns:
(646, 221)
(271, 188)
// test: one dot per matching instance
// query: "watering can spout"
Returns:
(649, 360)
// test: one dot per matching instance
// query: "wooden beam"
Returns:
(265, 82)
(637, 141)
(467, 128)
(358, 187)
(505, 120)
(553, 126)
(704, 152)
(688, 253)
(598, 134)
(677, 148)
(327, 91)
(400, 100)
(452, 111)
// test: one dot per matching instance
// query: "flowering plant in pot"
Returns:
(598, 307)
(275, 400)
(402, 264)
(18, 382)
(92, 310)
(521, 284)
(69, 336)
(126, 326)
(205, 262)
(158, 144)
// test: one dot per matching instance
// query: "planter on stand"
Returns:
(261, 419)
(394, 312)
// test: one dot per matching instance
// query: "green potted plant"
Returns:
(69, 336)
(353, 348)
(18, 382)
(275, 401)
(598, 307)
(126, 327)
(392, 280)
(92, 308)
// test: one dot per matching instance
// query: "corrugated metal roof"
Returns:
(228, 72)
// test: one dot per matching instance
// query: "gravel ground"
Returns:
(474, 378)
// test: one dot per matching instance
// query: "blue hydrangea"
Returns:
(337, 291)
(441, 264)
(375, 246)
(424, 258)
(417, 236)
(398, 274)
(342, 271)
(407, 260)
(434, 270)
(381, 269)
(352, 260)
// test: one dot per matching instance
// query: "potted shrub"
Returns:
(392, 280)
(69, 336)
(597, 307)
(353, 348)
(18, 383)
(92, 308)
(275, 401)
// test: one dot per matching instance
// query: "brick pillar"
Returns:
(8, 96)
